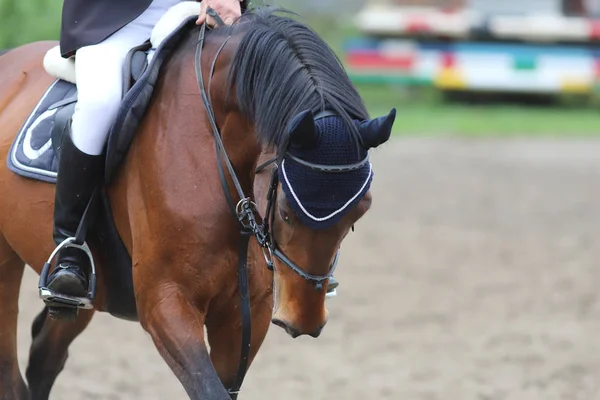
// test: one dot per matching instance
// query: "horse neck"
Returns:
(237, 133)
(171, 175)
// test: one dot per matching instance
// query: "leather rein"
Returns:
(245, 210)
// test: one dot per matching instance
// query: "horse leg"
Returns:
(225, 339)
(49, 349)
(12, 385)
(176, 326)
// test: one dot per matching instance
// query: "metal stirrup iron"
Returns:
(57, 300)
(54, 299)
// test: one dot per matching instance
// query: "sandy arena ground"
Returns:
(474, 277)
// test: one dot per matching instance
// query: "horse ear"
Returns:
(377, 131)
(302, 130)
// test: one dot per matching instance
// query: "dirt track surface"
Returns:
(474, 276)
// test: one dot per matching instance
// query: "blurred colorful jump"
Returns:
(473, 49)
(478, 66)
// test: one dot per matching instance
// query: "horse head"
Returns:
(294, 93)
(325, 176)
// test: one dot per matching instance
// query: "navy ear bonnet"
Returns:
(323, 172)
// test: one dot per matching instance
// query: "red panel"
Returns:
(379, 61)
(417, 24)
(595, 29)
(448, 60)
(597, 68)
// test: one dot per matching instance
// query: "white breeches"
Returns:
(99, 70)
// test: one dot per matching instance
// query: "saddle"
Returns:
(36, 148)
(34, 151)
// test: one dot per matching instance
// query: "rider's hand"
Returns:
(228, 10)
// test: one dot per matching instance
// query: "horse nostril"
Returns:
(278, 322)
(293, 332)
(316, 333)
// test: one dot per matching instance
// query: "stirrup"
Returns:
(58, 300)
(333, 293)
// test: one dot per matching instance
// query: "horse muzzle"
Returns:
(295, 332)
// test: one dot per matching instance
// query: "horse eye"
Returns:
(285, 216)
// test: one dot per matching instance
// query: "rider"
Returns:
(100, 34)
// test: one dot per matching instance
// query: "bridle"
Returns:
(264, 231)
(245, 209)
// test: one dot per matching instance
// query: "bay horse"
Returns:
(260, 88)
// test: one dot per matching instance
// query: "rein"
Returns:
(245, 234)
(245, 210)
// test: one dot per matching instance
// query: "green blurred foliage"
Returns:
(24, 21)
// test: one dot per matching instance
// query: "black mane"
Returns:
(281, 68)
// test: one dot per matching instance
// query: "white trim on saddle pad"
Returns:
(64, 68)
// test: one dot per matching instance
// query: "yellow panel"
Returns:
(574, 85)
(450, 78)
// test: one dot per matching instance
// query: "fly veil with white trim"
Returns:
(323, 172)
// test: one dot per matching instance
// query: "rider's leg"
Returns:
(99, 85)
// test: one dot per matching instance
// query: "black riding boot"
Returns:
(78, 176)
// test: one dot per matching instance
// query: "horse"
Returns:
(232, 108)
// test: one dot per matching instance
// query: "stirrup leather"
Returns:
(55, 299)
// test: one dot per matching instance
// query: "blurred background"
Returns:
(486, 67)
(475, 275)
